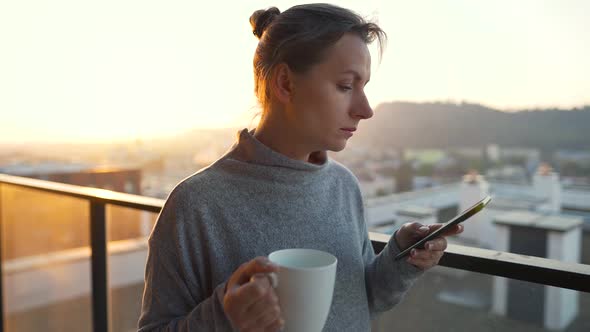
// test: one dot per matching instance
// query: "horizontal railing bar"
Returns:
(91, 194)
(526, 268)
(574, 208)
(503, 264)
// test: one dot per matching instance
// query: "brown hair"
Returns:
(300, 36)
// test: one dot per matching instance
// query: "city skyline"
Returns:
(111, 71)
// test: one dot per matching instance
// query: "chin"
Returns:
(338, 146)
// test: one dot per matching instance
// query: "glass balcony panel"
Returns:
(46, 267)
(128, 230)
(447, 299)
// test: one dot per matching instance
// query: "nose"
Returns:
(362, 109)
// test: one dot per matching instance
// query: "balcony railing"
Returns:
(526, 268)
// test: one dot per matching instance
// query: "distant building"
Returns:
(493, 152)
(404, 177)
(121, 179)
(520, 154)
(539, 218)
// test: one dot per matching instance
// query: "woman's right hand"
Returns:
(250, 301)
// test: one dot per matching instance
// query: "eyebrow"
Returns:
(356, 75)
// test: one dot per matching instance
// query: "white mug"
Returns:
(305, 287)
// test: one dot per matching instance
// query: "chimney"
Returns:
(546, 184)
(533, 234)
(477, 229)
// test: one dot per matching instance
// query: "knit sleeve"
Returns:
(173, 298)
(386, 280)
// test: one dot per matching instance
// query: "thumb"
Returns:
(409, 233)
(259, 265)
(271, 278)
(418, 230)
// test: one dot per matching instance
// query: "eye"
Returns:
(344, 87)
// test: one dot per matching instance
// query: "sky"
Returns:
(79, 71)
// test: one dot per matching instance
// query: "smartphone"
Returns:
(458, 219)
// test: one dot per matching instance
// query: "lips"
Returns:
(348, 132)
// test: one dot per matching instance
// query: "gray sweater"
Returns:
(250, 202)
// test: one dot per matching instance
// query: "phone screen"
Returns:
(458, 219)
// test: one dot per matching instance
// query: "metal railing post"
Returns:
(1, 264)
(100, 288)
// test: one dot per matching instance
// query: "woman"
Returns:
(276, 188)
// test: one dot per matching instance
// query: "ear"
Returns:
(281, 83)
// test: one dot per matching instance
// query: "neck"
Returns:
(274, 132)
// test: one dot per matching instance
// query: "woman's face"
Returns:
(328, 100)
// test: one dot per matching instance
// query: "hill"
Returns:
(442, 125)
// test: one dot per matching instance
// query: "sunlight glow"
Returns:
(112, 70)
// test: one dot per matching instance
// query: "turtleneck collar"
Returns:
(251, 150)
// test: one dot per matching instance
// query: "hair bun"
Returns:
(261, 19)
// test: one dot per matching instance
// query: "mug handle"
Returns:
(273, 278)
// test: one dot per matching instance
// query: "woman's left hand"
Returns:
(433, 250)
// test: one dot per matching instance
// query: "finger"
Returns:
(434, 227)
(424, 255)
(425, 259)
(257, 265)
(456, 229)
(252, 291)
(438, 244)
(267, 300)
(453, 230)
(277, 325)
(266, 316)
(417, 262)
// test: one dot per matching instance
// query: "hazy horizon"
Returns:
(192, 130)
(249, 124)
(96, 72)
